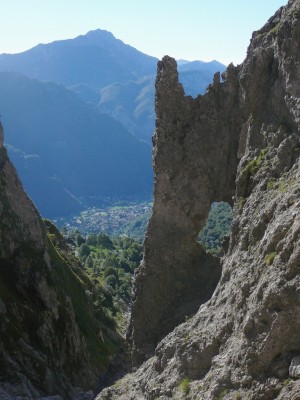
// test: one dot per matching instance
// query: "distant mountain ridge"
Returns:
(132, 103)
(112, 75)
(97, 59)
(66, 153)
(198, 65)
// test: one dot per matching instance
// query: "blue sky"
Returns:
(189, 29)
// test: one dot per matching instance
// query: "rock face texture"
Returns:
(195, 160)
(244, 342)
(49, 331)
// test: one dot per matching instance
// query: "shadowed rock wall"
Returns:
(195, 162)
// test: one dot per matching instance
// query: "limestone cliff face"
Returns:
(49, 332)
(244, 342)
(195, 160)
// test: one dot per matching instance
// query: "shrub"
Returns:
(105, 241)
(84, 250)
(111, 280)
(270, 258)
(92, 240)
(110, 271)
(222, 394)
(79, 239)
(254, 164)
(184, 385)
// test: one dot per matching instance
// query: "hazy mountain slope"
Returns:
(104, 71)
(96, 59)
(60, 142)
(201, 66)
(132, 103)
(86, 92)
(195, 82)
(49, 193)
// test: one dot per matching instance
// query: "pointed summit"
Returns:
(96, 59)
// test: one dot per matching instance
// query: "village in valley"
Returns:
(114, 220)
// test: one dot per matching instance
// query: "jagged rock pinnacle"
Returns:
(195, 162)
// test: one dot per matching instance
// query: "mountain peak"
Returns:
(96, 59)
(96, 37)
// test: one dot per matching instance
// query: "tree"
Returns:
(84, 250)
(105, 241)
(89, 262)
(110, 271)
(92, 240)
(111, 280)
(79, 239)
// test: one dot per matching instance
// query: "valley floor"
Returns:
(124, 218)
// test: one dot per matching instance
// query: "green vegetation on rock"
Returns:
(109, 263)
(184, 385)
(90, 314)
(222, 394)
(253, 165)
(270, 258)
